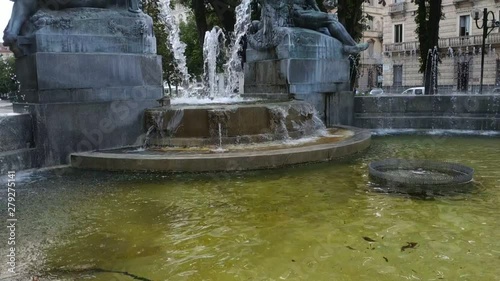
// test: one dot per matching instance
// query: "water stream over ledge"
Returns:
(308, 222)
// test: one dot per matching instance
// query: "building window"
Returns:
(464, 26)
(369, 22)
(398, 1)
(398, 33)
(371, 46)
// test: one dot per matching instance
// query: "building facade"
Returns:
(371, 61)
(459, 47)
(5, 52)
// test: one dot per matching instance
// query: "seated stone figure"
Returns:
(275, 15)
(306, 14)
(24, 9)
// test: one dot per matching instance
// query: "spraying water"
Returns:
(178, 47)
(211, 50)
(233, 66)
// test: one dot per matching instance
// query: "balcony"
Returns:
(453, 42)
(401, 47)
(397, 8)
(456, 2)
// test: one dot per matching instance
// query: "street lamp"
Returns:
(476, 15)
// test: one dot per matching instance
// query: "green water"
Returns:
(310, 222)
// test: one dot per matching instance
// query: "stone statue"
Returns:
(24, 9)
(276, 14)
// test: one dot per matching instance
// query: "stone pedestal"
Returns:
(87, 75)
(306, 65)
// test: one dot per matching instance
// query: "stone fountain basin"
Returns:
(351, 140)
(197, 125)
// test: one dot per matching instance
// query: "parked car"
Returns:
(376, 91)
(414, 91)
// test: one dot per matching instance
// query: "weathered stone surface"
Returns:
(54, 71)
(459, 112)
(16, 132)
(86, 101)
(64, 128)
(87, 30)
(119, 161)
(305, 62)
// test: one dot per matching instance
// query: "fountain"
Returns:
(211, 50)
(178, 47)
(281, 127)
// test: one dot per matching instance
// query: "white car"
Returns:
(376, 91)
(414, 91)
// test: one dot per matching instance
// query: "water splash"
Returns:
(234, 66)
(178, 47)
(211, 50)
(145, 145)
(278, 122)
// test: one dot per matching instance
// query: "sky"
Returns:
(5, 9)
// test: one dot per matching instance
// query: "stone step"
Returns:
(17, 160)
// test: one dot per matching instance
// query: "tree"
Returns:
(208, 13)
(8, 82)
(194, 51)
(429, 14)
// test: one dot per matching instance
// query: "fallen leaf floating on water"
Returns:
(368, 239)
(409, 245)
(350, 248)
(386, 259)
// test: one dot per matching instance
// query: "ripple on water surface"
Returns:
(310, 222)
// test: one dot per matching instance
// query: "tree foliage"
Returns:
(194, 51)
(152, 8)
(8, 82)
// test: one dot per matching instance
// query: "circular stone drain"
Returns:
(421, 176)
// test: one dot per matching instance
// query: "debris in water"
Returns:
(368, 239)
(386, 259)
(350, 248)
(410, 245)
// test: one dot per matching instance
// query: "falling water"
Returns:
(147, 138)
(220, 136)
(211, 50)
(435, 60)
(219, 149)
(474, 51)
(450, 52)
(278, 122)
(233, 66)
(178, 47)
